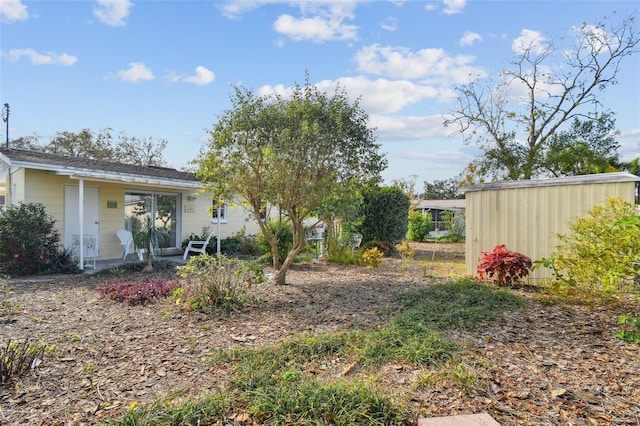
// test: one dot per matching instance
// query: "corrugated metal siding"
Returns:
(528, 219)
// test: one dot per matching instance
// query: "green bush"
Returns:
(601, 254)
(218, 283)
(454, 225)
(386, 215)
(285, 240)
(30, 243)
(420, 224)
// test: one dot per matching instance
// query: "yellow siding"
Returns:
(528, 219)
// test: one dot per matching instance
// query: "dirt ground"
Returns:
(542, 365)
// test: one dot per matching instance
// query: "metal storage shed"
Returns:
(528, 215)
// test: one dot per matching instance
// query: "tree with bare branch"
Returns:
(547, 86)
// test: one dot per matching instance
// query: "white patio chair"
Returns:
(126, 241)
(197, 246)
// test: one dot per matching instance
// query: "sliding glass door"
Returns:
(162, 208)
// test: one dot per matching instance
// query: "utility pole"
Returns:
(5, 118)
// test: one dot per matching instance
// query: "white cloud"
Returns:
(389, 24)
(113, 12)
(409, 127)
(469, 38)
(42, 59)
(137, 71)
(232, 9)
(320, 21)
(454, 6)
(379, 96)
(202, 77)
(431, 6)
(529, 40)
(12, 11)
(629, 144)
(435, 65)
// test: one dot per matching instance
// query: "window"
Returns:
(163, 208)
(214, 212)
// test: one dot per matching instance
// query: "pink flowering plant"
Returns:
(30, 243)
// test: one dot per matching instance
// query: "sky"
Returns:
(166, 69)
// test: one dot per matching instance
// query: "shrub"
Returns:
(30, 244)
(630, 330)
(502, 266)
(285, 240)
(344, 256)
(386, 215)
(218, 282)
(373, 257)
(601, 254)
(454, 225)
(419, 226)
(17, 358)
(406, 250)
(138, 293)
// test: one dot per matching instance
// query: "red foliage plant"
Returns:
(502, 266)
(138, 293)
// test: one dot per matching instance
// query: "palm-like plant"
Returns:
(151, 238)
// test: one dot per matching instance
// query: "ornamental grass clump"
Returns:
(503, 267)
(139, 293)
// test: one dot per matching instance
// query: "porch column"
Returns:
(81, 218)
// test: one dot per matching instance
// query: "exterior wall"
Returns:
(48, 189)
(197, 218)
(528, 219)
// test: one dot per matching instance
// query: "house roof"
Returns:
(567, 180)
(442, 204)
(97, 170)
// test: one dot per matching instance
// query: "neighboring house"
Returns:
(437, 209)
(114, 196)
(528, 215)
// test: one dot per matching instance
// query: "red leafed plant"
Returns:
(502, 266)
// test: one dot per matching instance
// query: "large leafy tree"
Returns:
(144, 151)
(446, 189)
(512, 118)
(295, 154)
(589, 146)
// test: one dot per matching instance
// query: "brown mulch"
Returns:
(547, 364)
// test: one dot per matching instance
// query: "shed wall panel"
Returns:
(529, 219)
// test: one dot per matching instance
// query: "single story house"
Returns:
(437, 209)
(95, 199)
(528, 215)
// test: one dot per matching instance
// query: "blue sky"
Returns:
(166, 68)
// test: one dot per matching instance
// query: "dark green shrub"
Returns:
(30, 243)
(285, 240)
(386, 216)
(420, 224)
